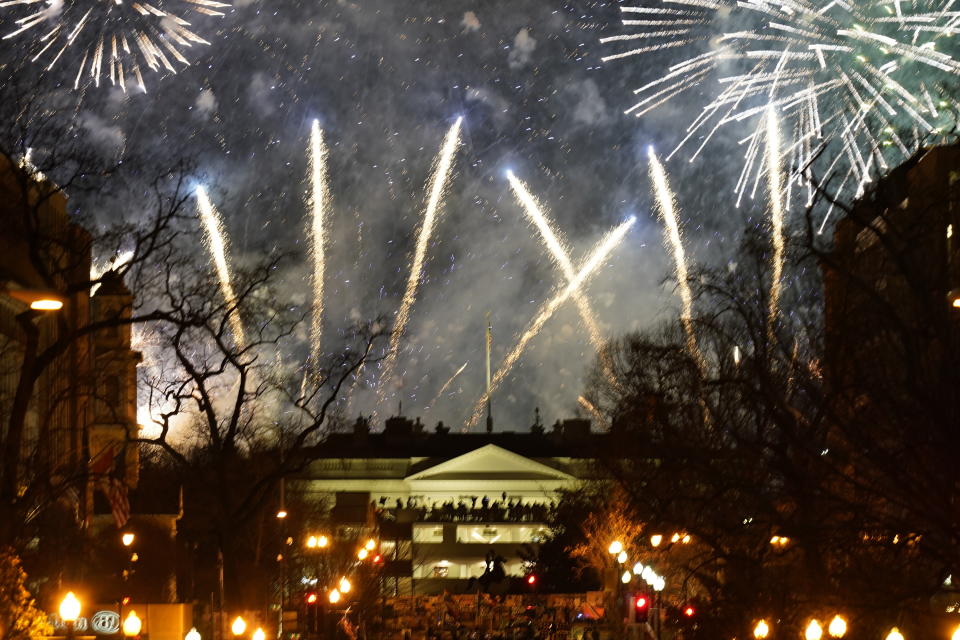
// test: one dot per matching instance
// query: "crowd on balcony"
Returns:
(472, 509)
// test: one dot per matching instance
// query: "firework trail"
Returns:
(774, 169)
(217, 244)
(437, 188)
(593, 262)
(667, 210)
(318, 202)
(844, 76)
(447, 383)
(113, 38)
(562, 258)
(592, 409)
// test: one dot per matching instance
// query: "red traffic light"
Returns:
(689, 611)
(642, 602)
(311, 598)
(377, 559)
(531, 579)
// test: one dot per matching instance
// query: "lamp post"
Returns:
(259, 634)
(132, 625)
(762, 630)
(837, 627)
(69, 612)
(193, 634)
(814, 631)
(238, 626)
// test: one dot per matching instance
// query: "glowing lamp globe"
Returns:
(371, 543)
(259, 634)
(127, 539)
(334, 597)
(132, 624)
(615, 547)
(762, 630)
(322, 542)
(344, 585)
(813, 631)
(238, 626)
(838, 627)
(894, 634)
(193, 634)
(70, 608)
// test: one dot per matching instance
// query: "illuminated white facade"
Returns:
(440, 514)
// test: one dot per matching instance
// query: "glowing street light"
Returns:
(813, 631)
(239, 626)
(132, 625)
(281, 514)
(638, 568)
(625, 578)
(655, 540)
(259, 634)
(371, 543)
(193, 634)
(127, 539)
(762, 630)
(312, 542)
(344, 585)
(622, 557)
(838, 627)
(615, 547)
(334, 597)
(69, 608)
(894, 634)
(956, 634)
(362, 553)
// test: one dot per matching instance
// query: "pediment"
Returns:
(490, 462)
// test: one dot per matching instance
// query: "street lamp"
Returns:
(362, 553)
(132, 625)
(655, 540)
(622, 557)
(956, 634)
(371, 543)
(894, 634)
(344, 585)
(193, 634)
(239, 626)
(625, 578)
(615, 547)
(814, 631)
(127, 539)
(69, 611)
(259, 634)
(334, 597)
(838, 627)
(762, 630)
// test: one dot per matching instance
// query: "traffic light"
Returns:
(689, 611)
(532, 579)
(641, 608)
(311, 598)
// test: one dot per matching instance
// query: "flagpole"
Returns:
(489, 342)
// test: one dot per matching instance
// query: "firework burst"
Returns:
(113, 39)
(844, 77)
(597, 257)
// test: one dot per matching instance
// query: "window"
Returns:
(427, 533)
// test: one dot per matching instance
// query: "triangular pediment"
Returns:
(490, 462)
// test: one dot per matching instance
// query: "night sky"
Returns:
(386, 79)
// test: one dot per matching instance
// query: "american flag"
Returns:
(116, 492)
(104, 469)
